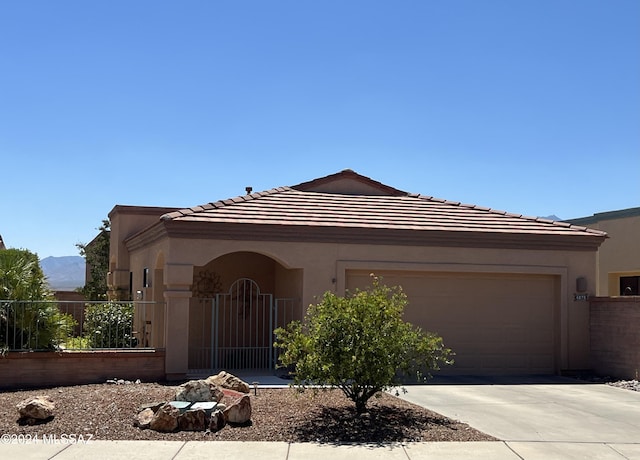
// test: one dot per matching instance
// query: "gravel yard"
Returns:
(105, 411)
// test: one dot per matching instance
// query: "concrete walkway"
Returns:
(547, 417)
(544, 419)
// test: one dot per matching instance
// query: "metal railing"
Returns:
(70, 325)
(227, 334)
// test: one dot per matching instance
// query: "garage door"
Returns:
(495, 323)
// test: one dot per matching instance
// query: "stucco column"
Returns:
(118, 284)
(177, 279)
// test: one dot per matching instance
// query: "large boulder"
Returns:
(38, 409)
(230, 381)
(165, 419)
(192, 420)
(239, 412)
(198, 390)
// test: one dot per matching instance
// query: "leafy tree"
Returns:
(96, 254)
(359, 344)
(31, 320)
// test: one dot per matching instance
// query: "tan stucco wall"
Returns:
(619, 255)
(323, 267)
(126, 221)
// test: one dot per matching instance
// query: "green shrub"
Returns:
(359, 344)
(109, 325)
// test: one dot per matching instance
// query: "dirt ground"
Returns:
(106, 411)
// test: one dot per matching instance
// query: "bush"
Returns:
(29, 319)
(33, 326)
(109, 325)
(360, 344)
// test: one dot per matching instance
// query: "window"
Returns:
(146, 282)
(629, 285)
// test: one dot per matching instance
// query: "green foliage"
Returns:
(96, 255)
(30, 320)
(21, 277)
(77, 343)
(360, 344)
(109, 325)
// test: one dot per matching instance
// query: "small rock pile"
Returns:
(198, 406)
(122, 382)
(633, 385)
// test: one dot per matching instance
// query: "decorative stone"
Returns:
(182, 406)
(230, 381)
(239, 412)
(154, 406)
(198, 390)
(192, 420)
(143, 418)
(166, 419)
(217, 421)
(37, 409)
(207, 407)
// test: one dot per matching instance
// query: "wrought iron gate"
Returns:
(236, 330)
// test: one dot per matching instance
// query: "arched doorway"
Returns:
(244, 326)
(239, 299)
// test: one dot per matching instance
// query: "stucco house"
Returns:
(618, 261)
(504, 290)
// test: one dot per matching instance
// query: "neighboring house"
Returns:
(619, 256)
(500, 288)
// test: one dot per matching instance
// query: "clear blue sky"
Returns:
(529, 106)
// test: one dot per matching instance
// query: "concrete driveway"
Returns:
(541, 416)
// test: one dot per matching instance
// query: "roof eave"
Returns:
(400, 237)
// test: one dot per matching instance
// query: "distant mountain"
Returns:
(552, 217)
(64, 273)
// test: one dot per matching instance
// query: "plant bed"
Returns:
(106, 411)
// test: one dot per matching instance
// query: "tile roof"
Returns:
(287, 206)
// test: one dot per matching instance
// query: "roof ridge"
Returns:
(542, 220)
(350, 174)
(223, 203)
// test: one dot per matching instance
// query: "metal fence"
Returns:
(227, 334)
(68, 325)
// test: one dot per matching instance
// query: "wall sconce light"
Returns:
(581, 284)
(139, 295)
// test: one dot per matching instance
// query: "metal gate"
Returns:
(236, 329)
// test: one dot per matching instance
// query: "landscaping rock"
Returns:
(239, 412)
(198, 390)
(36, 409)
(217, 421)
(192, 420)
(166, 419)
(154, 406)
(230, 381)
(143, 418)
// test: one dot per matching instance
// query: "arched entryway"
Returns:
(239, 299)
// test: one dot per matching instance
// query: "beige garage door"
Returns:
(495, 323)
